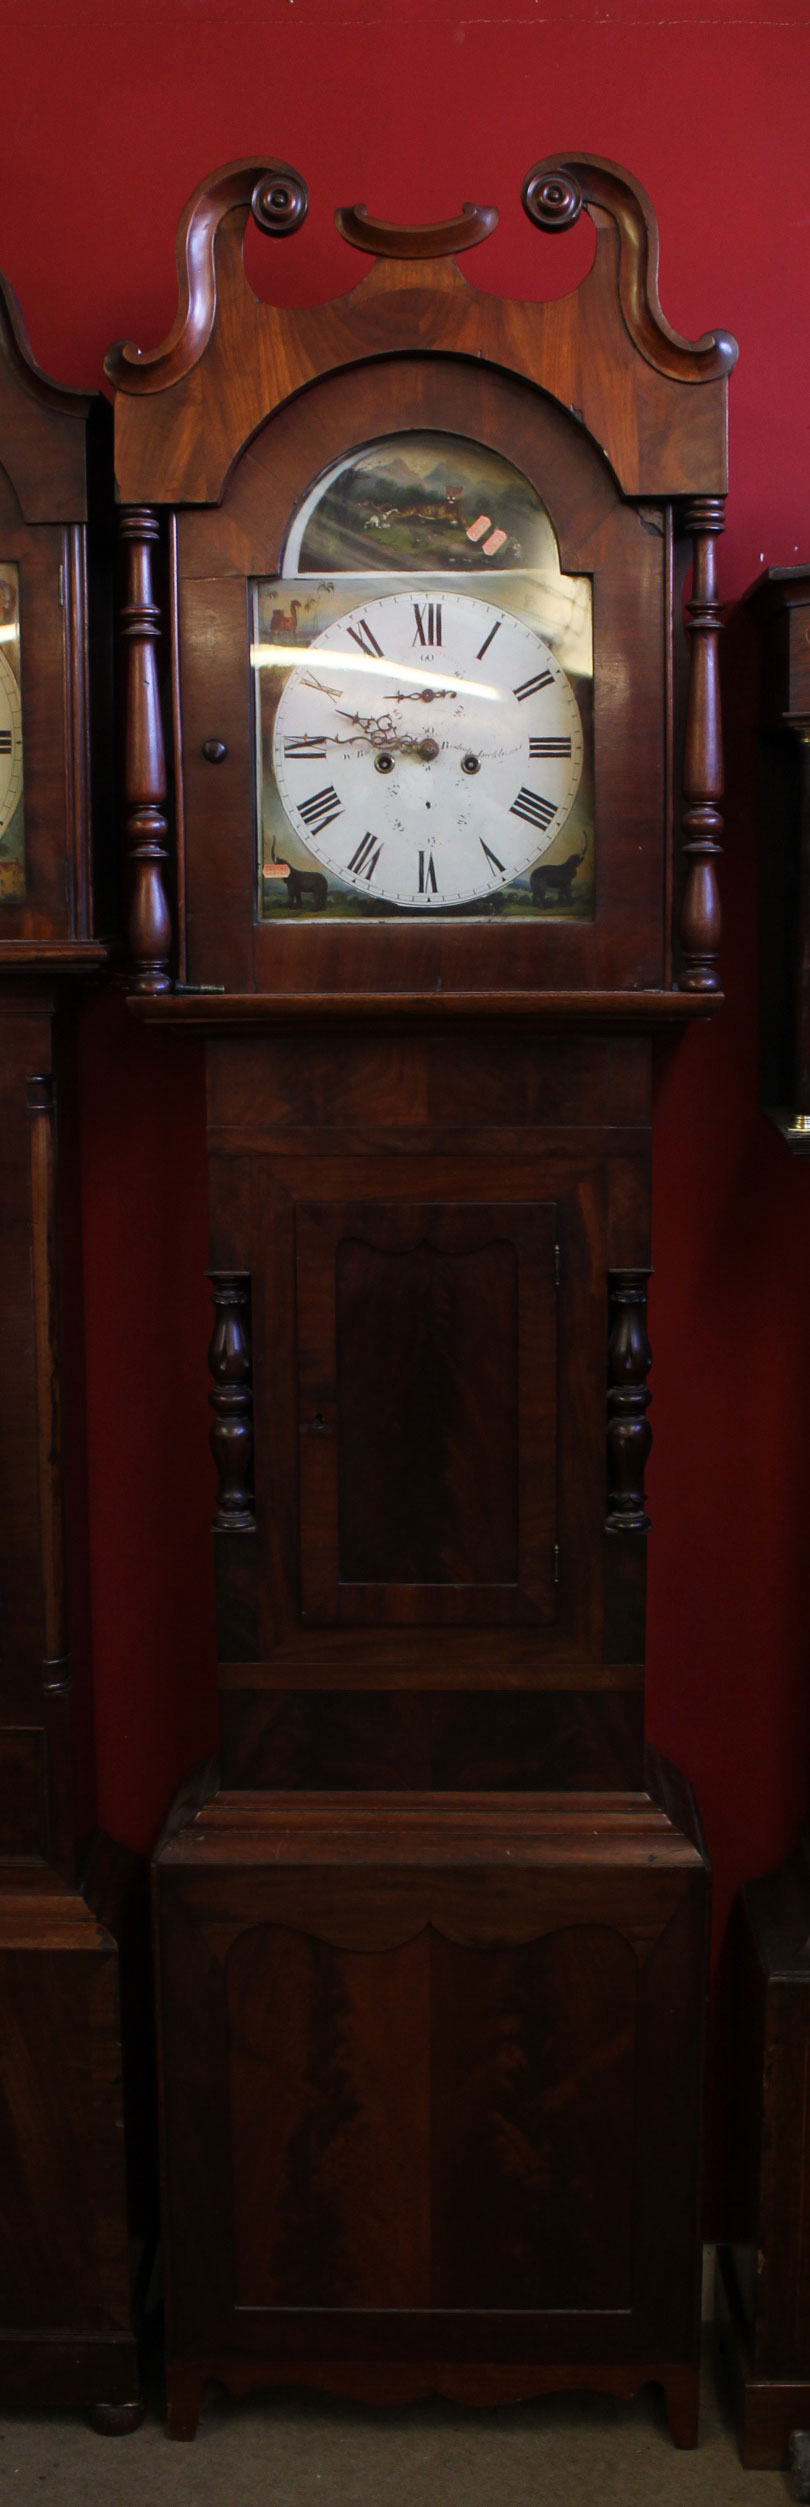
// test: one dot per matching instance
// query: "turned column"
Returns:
(629, 1435)
(231, 1400)
(701, 919)
(149, 923)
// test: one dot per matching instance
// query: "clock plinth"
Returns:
(435, 1937)
(475, 1990)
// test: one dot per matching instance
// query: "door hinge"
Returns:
(555, 1571)
(556, 1266)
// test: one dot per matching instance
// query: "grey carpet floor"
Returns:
(307, 2450)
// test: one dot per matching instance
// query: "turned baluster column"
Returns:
(149, 919)
(629, 1436)
(229, 1359)
(701, 919)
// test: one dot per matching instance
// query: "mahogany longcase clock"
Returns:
(65, 2326)
(432, 1960)
(763, 2283)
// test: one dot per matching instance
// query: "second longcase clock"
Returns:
(66, 1906)
(437, 1946)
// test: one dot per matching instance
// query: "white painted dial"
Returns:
(428, 749)
(11, 746)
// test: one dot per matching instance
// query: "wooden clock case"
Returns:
(65, 2324)
(764, 2277)
(779, 602)
(433, 1957)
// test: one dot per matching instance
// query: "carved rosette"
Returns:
(149, 919)
(629, 1436)
(229, 1359)
(279, 200)
(701, 919)
(553, 200)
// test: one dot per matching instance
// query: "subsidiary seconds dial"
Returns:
(427, 748)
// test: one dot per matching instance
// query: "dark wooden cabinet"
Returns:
(780, 603)
(435, 1950)
(65, 2323)
(763, 2291)
(763, 2285)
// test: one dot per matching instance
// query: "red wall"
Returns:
(112, 115)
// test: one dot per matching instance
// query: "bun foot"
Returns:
(115, 2419)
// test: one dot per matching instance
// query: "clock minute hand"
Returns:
(378, 729)
(401, 696)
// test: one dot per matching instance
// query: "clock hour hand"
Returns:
(378, 729)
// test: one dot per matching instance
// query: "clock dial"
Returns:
(427, 749)
(10, 743)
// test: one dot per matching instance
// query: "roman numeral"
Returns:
(5, 744)
(554, 747)
(488, 639)
(492, 858)
(367, 856)
(309, 745)
(363, 636)
(427, 875)
(530, 805)
(428, 615)
(531, 687)
(321, 808)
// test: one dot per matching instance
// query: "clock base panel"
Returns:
(67, 1958)
(452, 2055)
(766, 2409)
(762, 2279)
